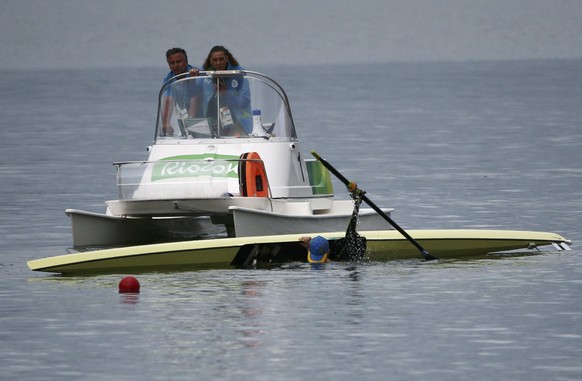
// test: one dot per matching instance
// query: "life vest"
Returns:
(252, 177)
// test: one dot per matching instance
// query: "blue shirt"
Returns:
(237, 98)
(182, 92)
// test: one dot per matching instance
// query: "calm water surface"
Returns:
(480, 145)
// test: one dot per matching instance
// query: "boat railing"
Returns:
(223, 104)
(182, 179)
(209, 178)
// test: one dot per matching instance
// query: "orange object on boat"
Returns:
(252, 176)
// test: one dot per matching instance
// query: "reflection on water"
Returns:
(129, 298)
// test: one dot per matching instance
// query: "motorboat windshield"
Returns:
(226, 104)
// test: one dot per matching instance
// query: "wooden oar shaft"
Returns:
(353, 187)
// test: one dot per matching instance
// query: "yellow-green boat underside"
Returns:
(218, 253)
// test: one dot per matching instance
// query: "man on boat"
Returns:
(189, 98)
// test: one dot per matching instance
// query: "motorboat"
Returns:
(225, 162)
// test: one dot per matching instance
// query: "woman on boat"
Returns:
(234, 95)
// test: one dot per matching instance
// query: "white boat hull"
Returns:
(250, 222)
(101, 230)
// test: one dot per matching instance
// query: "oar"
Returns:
(352, 187)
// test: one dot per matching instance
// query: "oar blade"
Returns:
(427, 256)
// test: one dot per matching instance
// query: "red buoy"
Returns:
(129, 285)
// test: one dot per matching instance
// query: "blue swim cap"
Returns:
(318, 248)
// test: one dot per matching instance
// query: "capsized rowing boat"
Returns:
(241, 251)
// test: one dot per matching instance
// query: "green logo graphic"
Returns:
(195, 166)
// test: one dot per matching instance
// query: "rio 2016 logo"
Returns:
(195, 166)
